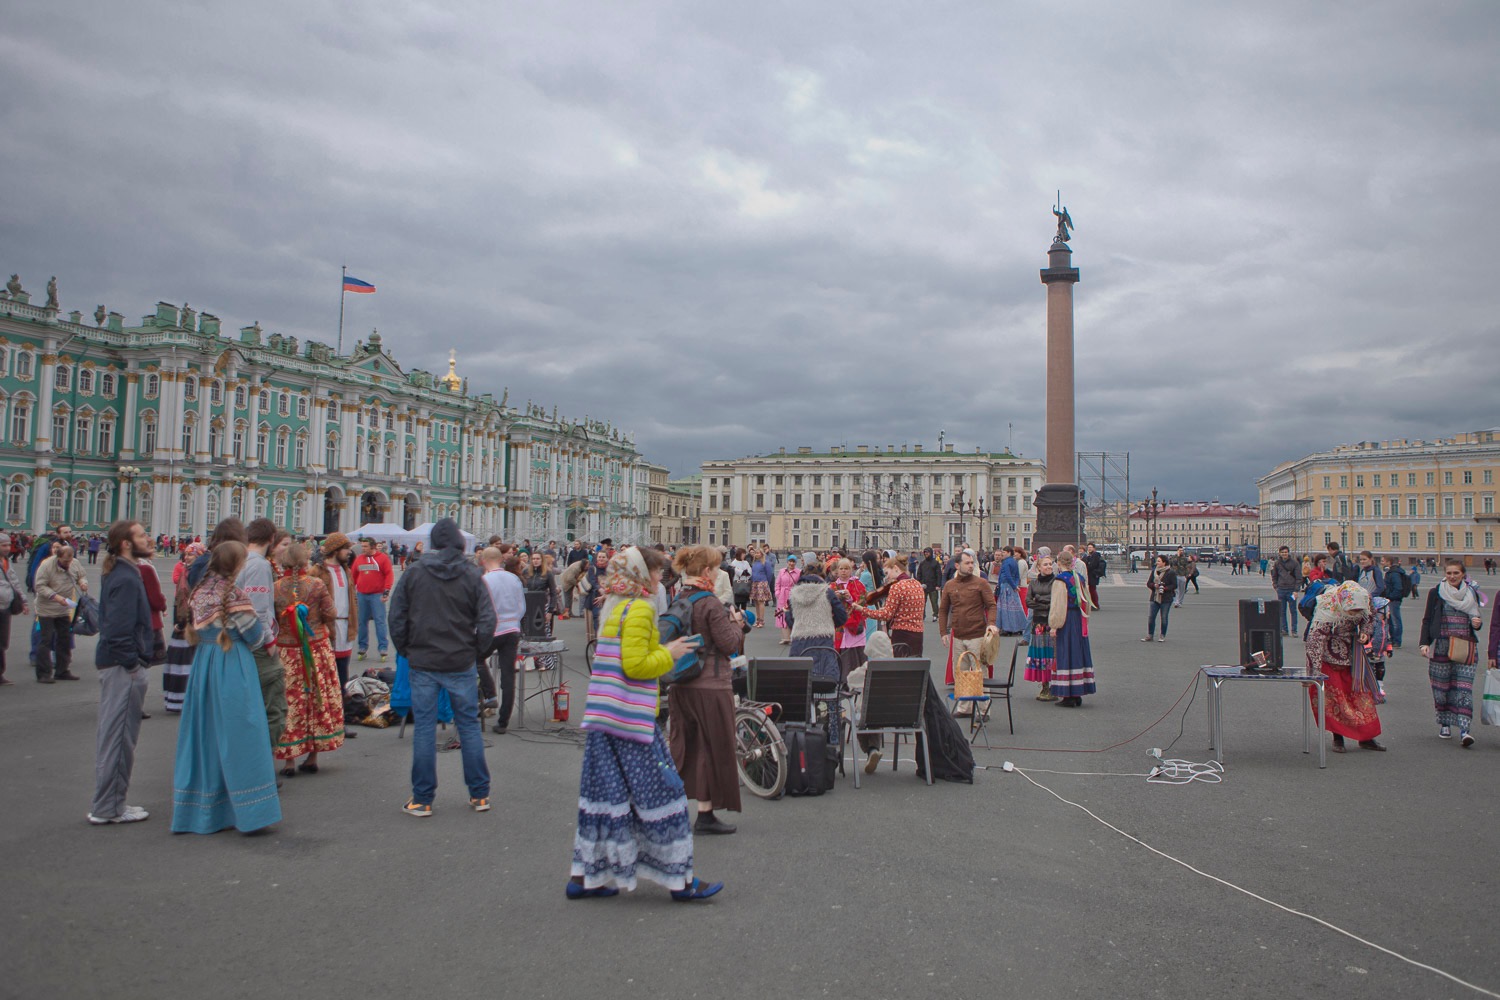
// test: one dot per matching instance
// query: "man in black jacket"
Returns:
(443, 622)
(930, 576)
(125, 646)
(1286, 578)
(1095, 565)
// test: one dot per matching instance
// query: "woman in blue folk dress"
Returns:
(225, 776)
(1073, 663)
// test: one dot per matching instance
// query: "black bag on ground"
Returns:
(810, 761)
(952, 759)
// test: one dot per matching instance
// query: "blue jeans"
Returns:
(372, 609)
(1395, 610)
(1288, 599)
(463, 692)
(1165, 609)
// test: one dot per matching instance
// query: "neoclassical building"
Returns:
(176, 425)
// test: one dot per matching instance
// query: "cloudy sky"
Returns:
(732, 227)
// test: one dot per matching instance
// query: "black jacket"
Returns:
(1432, 615)
(125, 636)
(441, 617)
(1095, 563)
(930, 573)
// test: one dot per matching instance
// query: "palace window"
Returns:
(262, 443)
(299, 460)
(302, 407)
(81, 504)
(86, 381)
(101, 506)
(83, 432)
(284, 404)
(1448, 478)
(151, 388)
(1468, 477)
(148, 434)
(62, 378)
(281, 442)
(239, 397)
(107, 385)
(107, 437)
(189, 437)
(331, 454)
(216, 393)
(59, 429)
(215, 440)
(190, 388)
(25, 363)
(15, 502)
(56, 499)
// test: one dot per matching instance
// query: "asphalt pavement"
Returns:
(895, 890)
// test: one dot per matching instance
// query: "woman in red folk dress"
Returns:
(1335, 646)
(314, 703)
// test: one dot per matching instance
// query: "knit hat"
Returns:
(878, 646)
(809, 559)
(334, 542)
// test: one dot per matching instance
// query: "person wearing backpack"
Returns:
(1397, 588)
(1339, 566)
(702, 706)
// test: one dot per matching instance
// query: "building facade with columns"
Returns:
(1196, 524)
(177, 425)
(863, 497)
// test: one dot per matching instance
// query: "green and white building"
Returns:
(176, 425)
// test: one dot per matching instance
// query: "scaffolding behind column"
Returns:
(1286, 522)
(1104, 497)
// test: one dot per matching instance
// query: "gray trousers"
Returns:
(272, 691)
(122, 692)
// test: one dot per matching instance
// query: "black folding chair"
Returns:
(892, 704)
(785, 681)
(998, 690)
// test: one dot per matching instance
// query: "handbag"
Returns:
(1460, 650)
(617, 704)
(17, 604)
(968, 676)
(86, 617)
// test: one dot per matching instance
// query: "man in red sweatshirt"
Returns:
(373, 579)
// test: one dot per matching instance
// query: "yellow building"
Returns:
(1411, 499)
(1197, 525)
(673, 507)
(863, 497)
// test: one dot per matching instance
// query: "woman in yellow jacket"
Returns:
(632, 810)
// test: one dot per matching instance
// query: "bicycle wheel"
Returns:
(759, 753)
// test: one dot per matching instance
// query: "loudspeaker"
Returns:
(1260, 631)
(534, 623)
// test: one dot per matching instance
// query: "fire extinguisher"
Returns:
(560, 711)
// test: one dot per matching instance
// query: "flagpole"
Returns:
(344, 273)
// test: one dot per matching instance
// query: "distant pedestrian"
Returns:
(373, 580)
(1162, 585)
(12, 601)
(1041, 653)
(1073, 665)
(314, 701)
(1286, 579)
(122, 654)
(60, 581)
(1452, 612)
(1095, 564)
(508, 597)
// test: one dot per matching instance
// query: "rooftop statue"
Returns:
(1064, 225)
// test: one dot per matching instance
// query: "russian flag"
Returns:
(355, 285)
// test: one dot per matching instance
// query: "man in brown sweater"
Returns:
(966, 613)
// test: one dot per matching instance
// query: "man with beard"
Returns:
(338, 554)
(966, 613)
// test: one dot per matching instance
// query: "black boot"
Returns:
(709, 823)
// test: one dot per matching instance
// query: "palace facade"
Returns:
(175, 424)
(863, 497)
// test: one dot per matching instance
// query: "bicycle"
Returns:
(759, 751)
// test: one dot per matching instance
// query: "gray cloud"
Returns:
(731, 229)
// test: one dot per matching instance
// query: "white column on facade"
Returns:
(127, 432)
(317, 436)
(226, 443)
(348, 431)
(39, 490)
(163, 507)
(351, 513)
(200, 507)
(205, 418)
(252, 434)
(523, 465)
(169, 417)
(424, 430)
(44, 442)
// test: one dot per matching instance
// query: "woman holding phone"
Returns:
(702, 709)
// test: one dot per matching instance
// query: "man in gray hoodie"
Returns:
(443, 622)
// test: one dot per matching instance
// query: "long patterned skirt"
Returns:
(1073, 670)
(314, 705)
(1012, 618)
(1040, 655)
(174, 675)
(1347, 712)
(760, 591)
(632, 815)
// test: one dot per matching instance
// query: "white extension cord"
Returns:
(1213, 776)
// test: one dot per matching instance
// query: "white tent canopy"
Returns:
(384, 533)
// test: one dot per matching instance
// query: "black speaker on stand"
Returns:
(1260, 631)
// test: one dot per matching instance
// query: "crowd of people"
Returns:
(258, 644)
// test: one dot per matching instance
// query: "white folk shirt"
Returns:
(341, 644)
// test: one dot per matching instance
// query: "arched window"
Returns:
(261, 498)
(282, 436)
(152, 386)
(297, 501)
(215, 441)
(144, 507)
(107, 436)
(25, 364)
(148, 433)
(299, 456)
(102, 505)
(83, 432)
(15, 503)
(107, 384)
(237, 504)
(284, 404)
(189, 435)
(212, 504)
(371, 450)
(331, 456)
(80, 513)
(278, 511)
(185, 510)
(216, 393)
(262, 442)
(190, 388)
(263, 401)
(302, 407)
(239, 397)
(86, 381)
(57, 498)
(237, 444)
(390, 458)
(62, 378)
(409, 468)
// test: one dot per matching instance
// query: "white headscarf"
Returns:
(1337, 604)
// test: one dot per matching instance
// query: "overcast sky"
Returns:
(733, 227)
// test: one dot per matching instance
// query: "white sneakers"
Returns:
(132, 814)
(872, 762)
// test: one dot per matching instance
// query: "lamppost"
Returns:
(1153, 515)
(238, 482)
(1343, 533)
(128, 474)
(966, 510)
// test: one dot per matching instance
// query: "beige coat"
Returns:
(52, 580)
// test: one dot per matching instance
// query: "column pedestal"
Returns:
(1058, 520)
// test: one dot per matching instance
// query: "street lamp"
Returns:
(238, 482)
(1153, 515)
(965, 510)
(128, 474)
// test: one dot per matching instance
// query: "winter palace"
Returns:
(176, 425)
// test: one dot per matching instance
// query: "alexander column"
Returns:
(1058, 517)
